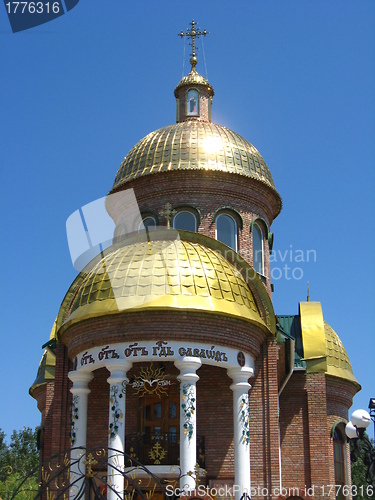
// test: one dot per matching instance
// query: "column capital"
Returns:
(80, 381)
(118, 370)
(188, 366)
(240, 377)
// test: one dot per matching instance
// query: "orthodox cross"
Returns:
(193, 33)
(241, 359)
(168, 213)
(198, 473)
(90, 461)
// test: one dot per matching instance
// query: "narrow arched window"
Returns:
(226, 230)
(192, 103)
(339, 461)
(147, 224)
(258, 249)
(186, 221)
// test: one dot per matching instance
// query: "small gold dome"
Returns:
(160, 274)
(193, 145)
(338, 363)
(194, 78)
(46, 369)
(322, 349)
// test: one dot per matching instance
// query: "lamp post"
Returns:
(355, 430)
(371, 406)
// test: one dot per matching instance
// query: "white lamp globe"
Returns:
(360, 419)
(351, 431)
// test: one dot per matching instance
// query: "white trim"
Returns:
(161, 471)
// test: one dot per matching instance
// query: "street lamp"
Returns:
(355, 430)
(371, 406)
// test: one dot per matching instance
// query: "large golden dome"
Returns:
(159, 274)
(193, 145)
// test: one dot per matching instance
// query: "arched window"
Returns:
(258, 249)
(148, 223)
(339, 461)
(185, 220)
(192, 104)
(226, 230)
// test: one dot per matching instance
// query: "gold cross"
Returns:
(90, 461)
(193, 33)
(198, 473)
(168, 214)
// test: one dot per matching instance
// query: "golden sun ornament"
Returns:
(151, 381)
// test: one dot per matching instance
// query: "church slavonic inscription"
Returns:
(107, 353)
(161, 349)
(86, 359)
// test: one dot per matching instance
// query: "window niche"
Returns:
(258, 249)
(339, 461)
(192, 103)
(148, 223)
(185, 220)
(226, 230)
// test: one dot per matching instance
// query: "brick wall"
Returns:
(164, 325)
(204, 97)
(294, 433)
(264, 410)
(58, 434)
(340, 395)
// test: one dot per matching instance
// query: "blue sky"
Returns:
(294, 78)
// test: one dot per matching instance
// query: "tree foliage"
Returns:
(359, 467)
(17, 461)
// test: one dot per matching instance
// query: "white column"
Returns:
(188, 406)
(116, 431)
(241, 416)
(80, 392)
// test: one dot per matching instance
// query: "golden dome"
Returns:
(160, 274)
(322, 348)
(338, 364)
(46, 369)
(193, 78)
(193, 145)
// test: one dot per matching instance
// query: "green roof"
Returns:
(290, 326)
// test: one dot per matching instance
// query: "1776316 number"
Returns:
(33, 7)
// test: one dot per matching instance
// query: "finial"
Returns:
(168, 213)
(308, 292)
(193, 33)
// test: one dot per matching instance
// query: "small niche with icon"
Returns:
(192, 103)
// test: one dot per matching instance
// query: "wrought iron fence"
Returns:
(86, 477)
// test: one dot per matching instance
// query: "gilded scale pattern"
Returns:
(193, 145)
(336, 353)
(163, 270)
